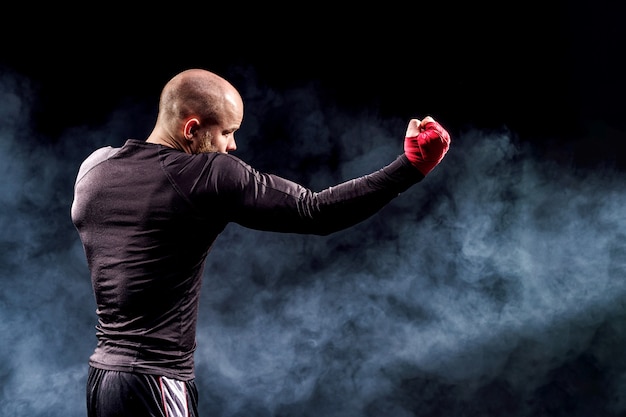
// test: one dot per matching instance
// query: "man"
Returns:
(147, 214)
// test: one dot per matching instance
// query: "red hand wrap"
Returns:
(428, 148)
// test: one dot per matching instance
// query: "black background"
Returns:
(547, 71)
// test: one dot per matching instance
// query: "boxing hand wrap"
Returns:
(426, 149)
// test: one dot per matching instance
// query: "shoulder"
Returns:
(96, 158)
(209, 161)
(101, 155)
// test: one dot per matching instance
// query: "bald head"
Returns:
(199, 95)
(196, 92)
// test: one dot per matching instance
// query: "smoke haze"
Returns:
(494, 287)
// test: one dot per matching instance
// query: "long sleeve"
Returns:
(268, 202)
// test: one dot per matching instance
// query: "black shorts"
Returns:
(119, 394)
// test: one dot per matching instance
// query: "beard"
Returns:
(206, 144)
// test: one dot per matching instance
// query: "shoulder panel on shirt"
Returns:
(94, 159)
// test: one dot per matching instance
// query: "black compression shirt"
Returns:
(147, 216)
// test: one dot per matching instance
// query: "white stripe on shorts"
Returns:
(174, 397)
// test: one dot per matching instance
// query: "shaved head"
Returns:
(198, 112)
(195, 92)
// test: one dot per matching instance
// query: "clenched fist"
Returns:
(426, 143)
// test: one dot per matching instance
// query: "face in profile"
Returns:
(212, 140)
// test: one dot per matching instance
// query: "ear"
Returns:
(190, 128)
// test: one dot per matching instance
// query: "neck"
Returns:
(161, 139)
